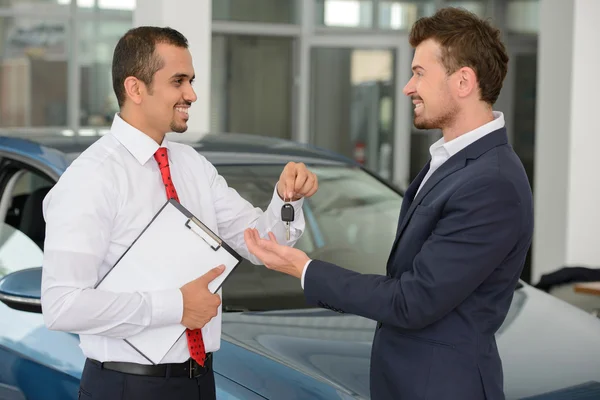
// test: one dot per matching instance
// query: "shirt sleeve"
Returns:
(304, 273)
(235, 215)
(79, 213)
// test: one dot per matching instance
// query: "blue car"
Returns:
(274, 346)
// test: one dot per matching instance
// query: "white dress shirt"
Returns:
(441, 151)
(100, 205)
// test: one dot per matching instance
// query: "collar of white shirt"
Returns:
(140, 145)
(454, 146)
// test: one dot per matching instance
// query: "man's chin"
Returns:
(421, 124)
(425, 124)
(179, 128)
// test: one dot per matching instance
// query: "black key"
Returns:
(287, 213)
(287, 216)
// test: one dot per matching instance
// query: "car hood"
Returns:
(327, 347)
(549, 347)
(546, 345)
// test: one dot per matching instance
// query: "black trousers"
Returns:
(102, 383)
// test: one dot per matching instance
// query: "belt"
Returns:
(189, 368)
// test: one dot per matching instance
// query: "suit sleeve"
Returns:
(476, 231)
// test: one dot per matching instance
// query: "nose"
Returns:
(190, 94)
(409, 89)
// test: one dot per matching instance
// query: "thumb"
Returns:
(212, 274)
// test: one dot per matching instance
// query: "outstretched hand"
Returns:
(275, 256)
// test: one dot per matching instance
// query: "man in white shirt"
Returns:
(465, 226)
(110, 193)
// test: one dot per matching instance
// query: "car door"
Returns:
(35, 363)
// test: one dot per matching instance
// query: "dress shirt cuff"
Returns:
(167, 307)
(277, 203)
(304, 273)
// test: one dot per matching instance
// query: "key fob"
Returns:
(287, 213)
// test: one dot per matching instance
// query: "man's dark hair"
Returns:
(466, 41)
(135, 56)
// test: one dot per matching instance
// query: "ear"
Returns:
(467, 81)
(134, 89)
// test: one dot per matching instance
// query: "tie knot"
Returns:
(161, 157)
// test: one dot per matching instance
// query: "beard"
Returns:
(178, 127)
(175, 125)
(446, 117)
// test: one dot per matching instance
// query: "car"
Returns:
(273, 346)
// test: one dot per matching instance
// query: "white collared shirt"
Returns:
(441, 151)
(100, 205)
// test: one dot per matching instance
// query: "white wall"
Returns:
(583, 224)
(567, 188)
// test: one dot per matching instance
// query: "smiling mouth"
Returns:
(183, 110)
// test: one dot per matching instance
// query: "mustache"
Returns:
(186, 103)
(416, 98)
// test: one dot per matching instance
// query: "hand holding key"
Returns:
(296, 181)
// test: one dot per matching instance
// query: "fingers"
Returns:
(310, 186)
(251, 237)
(212, 274)
(272, 245)
(248, 237)
(252, 242)
(297, 182)
(263, 249)
(272, 237)
(301, 177)
(216, 302)
(288, 177)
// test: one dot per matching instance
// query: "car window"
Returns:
(17, 251)
(25, 210)
(351, 221)
(23, 228)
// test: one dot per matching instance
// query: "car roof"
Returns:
(262, 150)
(217, 148)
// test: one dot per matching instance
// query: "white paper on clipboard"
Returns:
(174, 249)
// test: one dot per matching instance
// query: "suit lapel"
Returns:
(410, 193)
(454, 163)
(407, 203)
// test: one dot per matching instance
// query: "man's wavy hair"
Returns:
(466, 41)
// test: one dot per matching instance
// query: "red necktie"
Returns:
(194, 337)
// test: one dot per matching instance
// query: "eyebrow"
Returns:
(182, 75)
(415, 67)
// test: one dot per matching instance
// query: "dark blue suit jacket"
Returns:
(458, 254)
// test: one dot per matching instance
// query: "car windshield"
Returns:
(351, 221)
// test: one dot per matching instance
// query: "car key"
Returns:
(287, 216)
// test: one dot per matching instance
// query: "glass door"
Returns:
(352, 104)
(251, 89)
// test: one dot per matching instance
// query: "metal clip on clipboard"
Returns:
(205, 234)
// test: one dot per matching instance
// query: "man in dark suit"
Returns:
(465, 227)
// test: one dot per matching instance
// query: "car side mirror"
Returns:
(21, 290)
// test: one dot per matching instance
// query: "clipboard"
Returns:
(174, 240)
